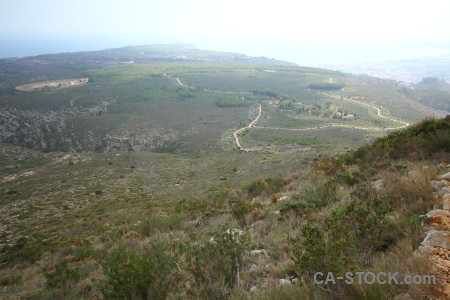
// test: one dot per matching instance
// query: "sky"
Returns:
(304, 32)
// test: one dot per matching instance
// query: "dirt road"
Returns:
(379, 114)
(235, 134)
(405, 124)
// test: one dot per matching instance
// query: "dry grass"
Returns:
(411, 190)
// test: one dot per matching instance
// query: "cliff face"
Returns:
(58, 131)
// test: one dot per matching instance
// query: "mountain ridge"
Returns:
(178, 52)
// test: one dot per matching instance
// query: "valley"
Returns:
(188, 164)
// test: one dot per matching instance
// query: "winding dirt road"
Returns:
(235, 134)
(178, 79)
(405, 124)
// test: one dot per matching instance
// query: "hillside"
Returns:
(71, 220)
(154, 95)
(168, 178)
(433, 83)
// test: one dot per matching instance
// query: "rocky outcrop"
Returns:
(13, 121)
(58, 136)
(55, 131)
(436, 244)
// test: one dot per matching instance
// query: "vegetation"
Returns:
(230, 102)
(326, 86)
(151, 199)
(331, 219)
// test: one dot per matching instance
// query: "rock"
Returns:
(425, 167)
(402, 296)
(435, 220)
(378, 185)
(437, 185)
(269, 267)
(70, 258)
(394, 216)
(284, 282)
(445, 176)
(446, 202)
(282, 199)
(254, 269)
(437, 238)
(258, 225)
(195, 222)
(437, 213)
(258, 252)
(444, 191)
(254, 289)
(234, 232)
(277, 212)
(424, 251)
(412, 173)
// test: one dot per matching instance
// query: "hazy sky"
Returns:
(305, 32)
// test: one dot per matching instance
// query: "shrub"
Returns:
(415, 142)
(230, 102)
(349, 237)
(327, 86)
(82, 252)
(62, 276)
(330, 166)
(153, 223)
(415, 191)
(266, 186)
(300, 207)
(192, 205)
(321, 253)
(347, 178)
(133, 274)
(216, 264)
(240, 209)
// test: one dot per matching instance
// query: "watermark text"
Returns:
(373, 278)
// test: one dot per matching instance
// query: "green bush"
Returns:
(134, 274)
(322, 252)
(266, 186)
(418, 141)
(298, 206)
(230, 102)
(347, 178)
(82, 252)
(240, 209)
(154, 223)
(327, 86)
(217, 264)
(62, 276)
(350, 237)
